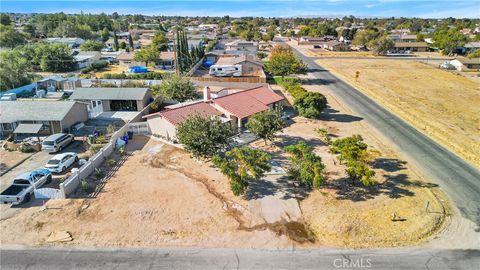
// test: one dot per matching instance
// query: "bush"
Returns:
(310, 104)
(84, 185)
(110, 162)
(141, 76)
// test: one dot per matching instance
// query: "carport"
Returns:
(28, 129)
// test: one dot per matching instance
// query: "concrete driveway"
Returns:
(36, 161)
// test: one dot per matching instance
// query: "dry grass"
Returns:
(439, 103)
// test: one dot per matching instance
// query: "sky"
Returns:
(267, 8)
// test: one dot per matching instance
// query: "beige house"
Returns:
(126, 59)
(40, 117)
(250, 66)
(101, 100)
(411, 46)
(234, 109)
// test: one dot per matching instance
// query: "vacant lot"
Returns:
(152, 200)
(441, 104)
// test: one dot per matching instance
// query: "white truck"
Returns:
(24, 186)
(225, 70)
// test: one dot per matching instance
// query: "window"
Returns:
(7, 126)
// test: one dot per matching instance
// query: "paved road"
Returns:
(177, 258)
(387, 58)
(459, 179)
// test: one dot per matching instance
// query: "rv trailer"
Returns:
(226, 70)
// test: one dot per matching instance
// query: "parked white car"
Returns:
(59, 163)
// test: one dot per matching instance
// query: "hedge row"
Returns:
(140, 76)
(308, 104)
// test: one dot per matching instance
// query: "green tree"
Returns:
(115, 41)
(265, 124)
(5, 19)
(310, 104)
(306, 167)
(381, 45)
(105, 34)
(448, 40)
(474, 54)
(355, 153)
(160, 41)
(366, 36)
(177, 88)
(283, 62)
(123, 45)
(91, 45)
(130, 41)
(9, 37)
(15, 70)
(54, 57)
(204, 137)
(243, 165)
(146, 55)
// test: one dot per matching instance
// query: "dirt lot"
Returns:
(150, 201)
(439, 103)
(11, 158)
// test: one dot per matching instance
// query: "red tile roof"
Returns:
(177, 115)
(248, 102)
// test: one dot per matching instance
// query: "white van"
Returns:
(57, 142)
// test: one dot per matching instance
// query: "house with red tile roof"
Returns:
(233, 109)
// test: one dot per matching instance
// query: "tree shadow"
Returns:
(389, 164)
(330, 114)
(317, 81)
(260, 188)
(395, 185)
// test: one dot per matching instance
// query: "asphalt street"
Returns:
(459, 179)
(189, 258)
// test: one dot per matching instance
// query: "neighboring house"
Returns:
(166, 61)
(471, 46)
(234, 109)
(126, 59)
(411, 46)
(316, 42)
(249, 65)
(54, 116)
(465, 64)
(101, 100)
(405, 31)
(71, 42)
(403, 38)
(242, 45)
(334, 45)
(86, 59)
(58, 83)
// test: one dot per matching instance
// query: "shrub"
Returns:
(310, 104)
(110, 162)
(141, 76)
(84, 185)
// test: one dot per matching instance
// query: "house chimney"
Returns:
(206, 93)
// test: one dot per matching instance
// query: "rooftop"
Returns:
(109, 94)
(176, 115)
(13, 111)
(410, 44)
(248, 102)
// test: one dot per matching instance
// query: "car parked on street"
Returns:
(24, 185)
(57, 142)
(59, 163)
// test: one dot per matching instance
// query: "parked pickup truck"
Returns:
(24, 185)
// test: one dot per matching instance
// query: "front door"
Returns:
(95, 108)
